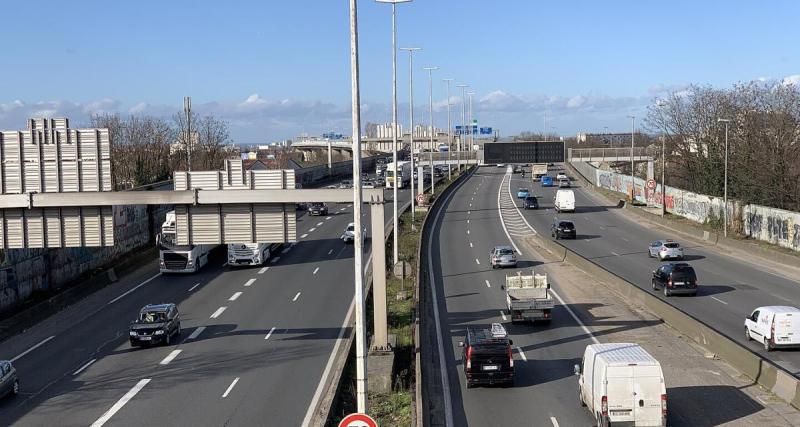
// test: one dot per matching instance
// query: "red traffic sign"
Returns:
(358, 420)
(420, 198)
(651, 184)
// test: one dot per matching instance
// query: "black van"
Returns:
(675, 278)
(488, 358)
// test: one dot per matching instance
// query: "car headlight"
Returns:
(132, 333)
(160, 332)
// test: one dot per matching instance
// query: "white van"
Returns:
(774, 326)
(564, 201)
(622, 383)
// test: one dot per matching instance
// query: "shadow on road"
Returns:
(706, 406)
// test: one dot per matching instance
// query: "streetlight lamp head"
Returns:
(723, 120)
(393, 1)
(410, 49)
(430, 68)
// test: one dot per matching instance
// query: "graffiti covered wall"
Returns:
(775, 226)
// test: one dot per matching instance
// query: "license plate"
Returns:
(622, 412)
(678, 283)
(490, 367)
(145, 338)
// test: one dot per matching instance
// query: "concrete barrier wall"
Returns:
(775, 226)
(782, 383)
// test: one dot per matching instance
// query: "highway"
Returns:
(254, 346)
(730, 288)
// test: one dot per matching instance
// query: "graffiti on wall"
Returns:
(776, 226)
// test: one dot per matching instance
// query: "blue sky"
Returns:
(273, 69)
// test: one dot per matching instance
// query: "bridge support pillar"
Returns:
(381, 334)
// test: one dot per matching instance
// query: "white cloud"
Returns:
(501, 101)
(576, 101)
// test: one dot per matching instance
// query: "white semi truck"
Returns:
(528, 297)
(240, 254)
(403, 171)
(174, 258)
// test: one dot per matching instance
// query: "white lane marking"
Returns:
(269, 334)
(251, 281)
(323, 379)
(286, 250)
(522, 354)
(319, 223)
(715, 298)
(196, 333)
(467, 231)
(121, 402)
(193, 287)
(614, 253)
(602, 228)
(488, 285)
(470, 244)
(230, 387)
(327, 218)
(625, 239)
(316, 270)
(276, 259)
(477, 261)
(263, 270)
(349, 206)
(586, 218)
(467, 221)
(330, 251)
(170, 357)
(296, 297)
(217, 313)
(469, 212)
(503, 315)
(41, 343)
(470, 205)
(343, 209)
(86, 365)
(311, 230)
(235, 296)
(133, 289)
(225, 264)
(303, 236)
(554, 421)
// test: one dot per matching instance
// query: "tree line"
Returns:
(146, 149)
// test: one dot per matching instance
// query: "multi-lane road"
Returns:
(255, 342)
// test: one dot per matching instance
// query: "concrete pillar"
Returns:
(380, 339)
(420, 180)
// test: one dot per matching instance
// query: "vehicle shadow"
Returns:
(466, 294)
(541, 371)
(587, 236)
(708, 290)
(706, 406)
(687, 258)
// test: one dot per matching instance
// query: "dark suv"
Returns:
(9, 383)
(487, 357)
(530, 202)
(157, 323)
(563, 229)
(675, 278)
(318, 208)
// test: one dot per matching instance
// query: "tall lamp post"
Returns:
(471, 118)
(411, 51)
(463, 124)
(430, 71)
(449, 130)
(396, 255)
(605, 129)
(633, 182)
(725, 195)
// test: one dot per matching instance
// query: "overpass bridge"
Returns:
(368, 144)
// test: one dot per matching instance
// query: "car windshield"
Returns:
(530, 199)
(566, 224)
(683, 273)
(505, 252)
(317, 205)
(152, 317)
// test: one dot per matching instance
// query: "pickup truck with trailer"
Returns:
(528, 297)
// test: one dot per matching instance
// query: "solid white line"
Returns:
(503, 315)
(263, 270)
(296, 297)
(196, 333)
(230, 387)
(311, 230)
(170, 357)
(86, 365)
(720, 300)
(303, 236)
(614, 253)
(121, 402)
(554, 421)
(477, 261)
(41, 343)
(217, 313)
(316, 270)
(488, 285)
(319, 223)
(251, 281)
(330, 251)
(131, 290)
(522, 354)
(235, 296)
(286, 250)
(270, 333)
(276, 259)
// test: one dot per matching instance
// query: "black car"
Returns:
(530, 202)
(487, 356)
(675, 278)
(9, 383)
(563, 229)
(157, 323)
(318, 208)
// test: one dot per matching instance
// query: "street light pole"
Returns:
(361, 333)
(725, 195)
(449, 131)
(396, 222)
(463, 119)
(430, 103)
(471, 118)
(411, 51)
(633, 182)
(605, 129)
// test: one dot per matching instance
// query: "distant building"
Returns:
(253, 165)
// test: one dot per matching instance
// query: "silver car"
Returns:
(665, 249)
(502, 256)
(9, 383)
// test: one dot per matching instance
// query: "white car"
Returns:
(774, 326)
(561, 176)
(368, 184)
(665, 249)
(349, 235)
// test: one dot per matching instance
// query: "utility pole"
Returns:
(187, 108)
(725, 195)
(633, 182)
(449, 131)
(663, 177)
(463, 120)
(430, 106)
(471, 118)
(361, 333)
(544, 128)
(396, 222)
(411, 51)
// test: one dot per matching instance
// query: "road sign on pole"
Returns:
(651, 184)
(358, 420)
